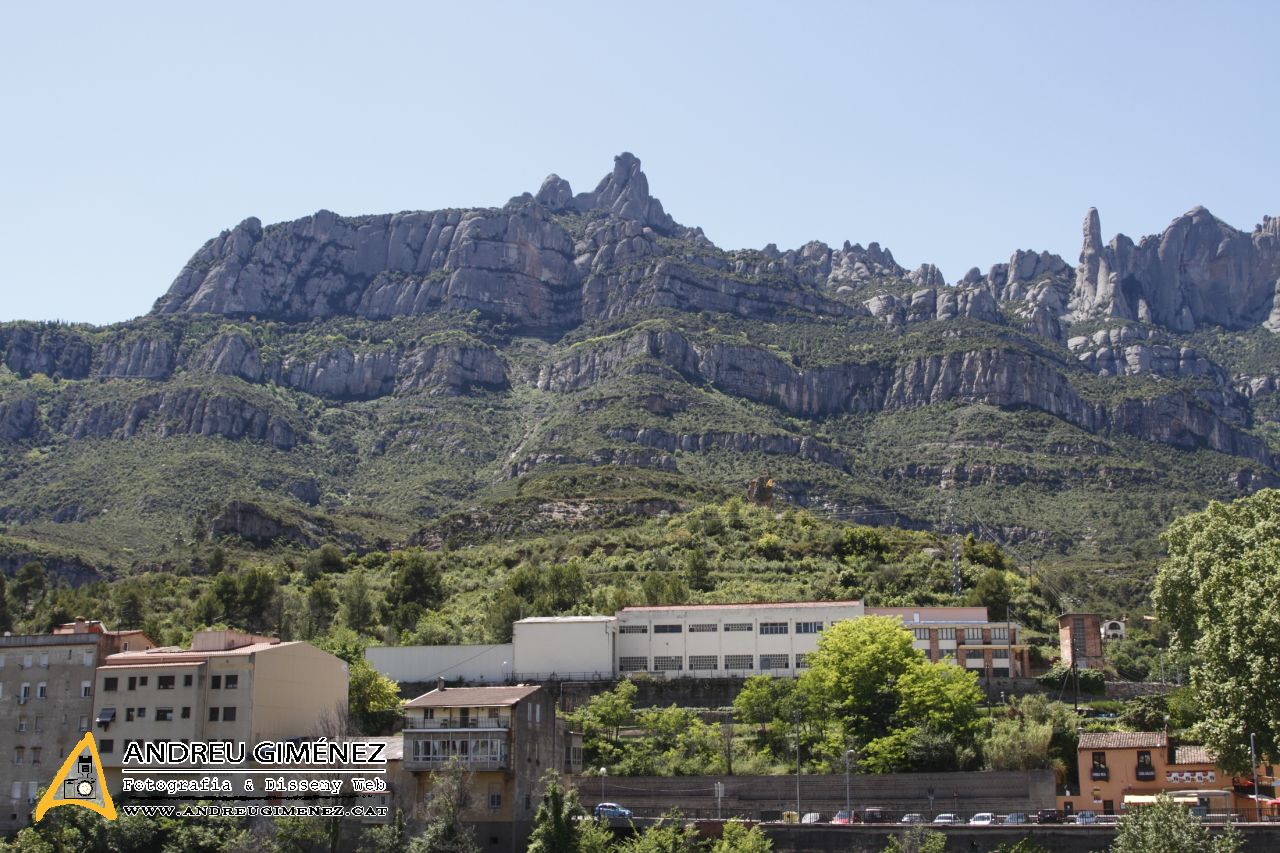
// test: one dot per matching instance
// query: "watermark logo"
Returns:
(79, 782)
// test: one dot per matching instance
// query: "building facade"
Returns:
(1080, 640)
(703, 641)
(504, 738)
(1119, 770)
(46, 705)
(229, 686)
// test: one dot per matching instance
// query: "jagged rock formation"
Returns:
(429, 355)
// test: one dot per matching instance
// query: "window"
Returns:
(946, 633)
(35, 755)
(703, 628)
(84, 722)
(1001, 634)
(164, 715)
(1000, 654)
(703, 662)
(186, 712)
(973, 635)
(165, 682)
(495, 800)
(920, 633)
(633, 664)
(774, 661)
(42, 690)
(107, 745)
(668, 663)
(1, 661)
(773, 627)
(738, 626)
(213, 714)
(802, 661)
(229, 714)
(17, 790)
(215, 682)
(87, 660)
(808, 627)
(133, 682)
(44, 661)
(22, 724)
(973, 654)
(231, 683)
(633, 629)
(19, 755)
(128, 715)
(1099, 759)
(86, 688)
(186, 680)
(142, 713)
(142, 680)
(738, 662)
(668, 629)
(24, 692)
(1144, 758)
(26, 661)
(110, 685)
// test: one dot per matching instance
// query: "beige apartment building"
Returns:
(505, 738)
(46, 705)
(229, 686)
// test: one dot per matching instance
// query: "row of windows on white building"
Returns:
(766, 663)
(775, 628)
(29, 661)
(42, 690)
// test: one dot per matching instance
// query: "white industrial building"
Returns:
(700, 640)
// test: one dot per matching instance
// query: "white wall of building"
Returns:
(570, 647)
(481, 664)
(724, 639)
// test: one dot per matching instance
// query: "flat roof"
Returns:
(170, 655)
(473, 697)
(754, 605)
(535, 620)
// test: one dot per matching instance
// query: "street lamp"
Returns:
(604, 771)
(798, 815)
(847, 808)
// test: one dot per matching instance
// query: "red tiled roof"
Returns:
(1123, 740)
(1192, 754)
(473, 697)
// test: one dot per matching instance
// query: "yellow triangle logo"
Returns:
(74, 786)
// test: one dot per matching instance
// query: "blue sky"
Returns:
(952, 133)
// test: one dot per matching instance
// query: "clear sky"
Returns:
(950, 132)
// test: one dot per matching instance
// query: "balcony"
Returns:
(417, 724)
(478, 751)
(1145, 773)
(1100, 774)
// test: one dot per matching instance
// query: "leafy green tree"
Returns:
(670, 836)
(29, 583)
(325, 559)
(601, 721)
(993, 591)
(1219, 590)
(6, 621)
(128, 606)
(697, 570)
(1166, 827)
(739, 838)
(1017, 744)
(373, 700)
(448, 800)
(322, 604)
(417, 586)
(1144, 713)
(387, 838)
(917, 839)
(556, 828)
(357, 603)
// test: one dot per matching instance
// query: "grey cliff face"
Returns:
(1199, 271)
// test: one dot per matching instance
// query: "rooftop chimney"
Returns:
(440, 685)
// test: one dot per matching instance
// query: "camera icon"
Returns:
(83, 786)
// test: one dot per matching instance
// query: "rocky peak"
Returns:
(555, 194)
(624, 193)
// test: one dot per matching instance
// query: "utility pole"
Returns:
(1253, 762)
(798, 813)
(1075, 681)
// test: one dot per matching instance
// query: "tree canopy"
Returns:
(1219, 590)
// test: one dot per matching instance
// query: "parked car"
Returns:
(874, 814)
(1086, 817)
(811, 817)
(1108, 819)
(912, 817)
(845, 817)
(947, 818)
(983, 819)
(1014, 818)
(1048, 816)
(611, 810)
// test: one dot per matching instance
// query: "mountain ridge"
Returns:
(389, 370)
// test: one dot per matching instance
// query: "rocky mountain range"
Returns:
(383, 379)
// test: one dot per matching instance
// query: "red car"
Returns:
(846, 817)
